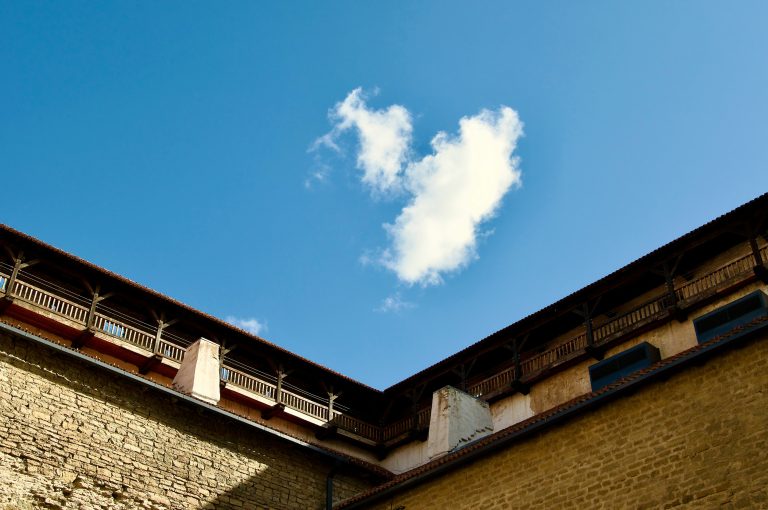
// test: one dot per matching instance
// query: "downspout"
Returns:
(329, 487)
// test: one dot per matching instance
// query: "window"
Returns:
(733, 314)
(622, 364)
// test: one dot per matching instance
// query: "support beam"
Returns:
(463, 370)
(415, 394)
(760, 269)
(326, 432)
(161, 325)
(281, 375)
(81, 339)
(751, 230)
(275, 410)
(95, 300)
(668, 271)
(331, 399)
(587, 312)
(150, 363)
(5, 302)
(381, 451)
(419, 434)
(517, 384)
(18, 265)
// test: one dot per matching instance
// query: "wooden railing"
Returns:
(405, 425)
(171, 351)
(101, 323)
(724, 274)
(649, 311)
(359, 427)
(249, 382)
(268, 390)
(123, 331)
(316, 407)
(51, 303)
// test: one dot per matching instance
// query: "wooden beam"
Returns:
(150, 363)
(5, 302)
(83, 338)
(517, 385)
(419, 434)
(327, 432)
(269, 412)
(95, 300)
(463, 370)
(595, 352)
(669, 271)
(520, 387)
(587, 313)
(18, 265)
(281, 375)
(381, 451)
(331, 399)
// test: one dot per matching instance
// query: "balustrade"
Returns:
(317, 407)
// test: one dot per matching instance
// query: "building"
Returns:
(645, 389)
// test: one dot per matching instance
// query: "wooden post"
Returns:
(14, 274)
(331, 399)
(517, 383)
(586, 312)
(279, 388)
(18, 265)
(92, 310)
(463, 371)
(96, 299)
(156, 342)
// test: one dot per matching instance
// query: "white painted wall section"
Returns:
(457, 418)
(198, 375)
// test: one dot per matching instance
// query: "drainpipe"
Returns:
(329, 488)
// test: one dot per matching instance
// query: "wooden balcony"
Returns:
(78, 313)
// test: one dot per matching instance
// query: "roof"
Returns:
(197, 313)
(611, 280)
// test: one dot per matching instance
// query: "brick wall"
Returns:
(76, 436)
(696, 440)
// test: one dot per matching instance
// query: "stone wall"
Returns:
(696, 440)
(73, 435)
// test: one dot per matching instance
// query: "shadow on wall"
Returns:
(313, 496)
(106, 436)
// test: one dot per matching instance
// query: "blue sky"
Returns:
(171, 143)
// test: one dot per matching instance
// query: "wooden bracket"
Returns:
(150, 363)
(381, 451)
(5, 302)
(761, 272)
(597, 353)
(269, 412)
(419, 434)
(83, 338)
(520, 387)
(327, 432)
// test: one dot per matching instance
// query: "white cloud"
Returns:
(394, 303)
(384, 135)
(454, 190)
(249, 324)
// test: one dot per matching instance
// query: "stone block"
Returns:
(457, 418)
(198, 374)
